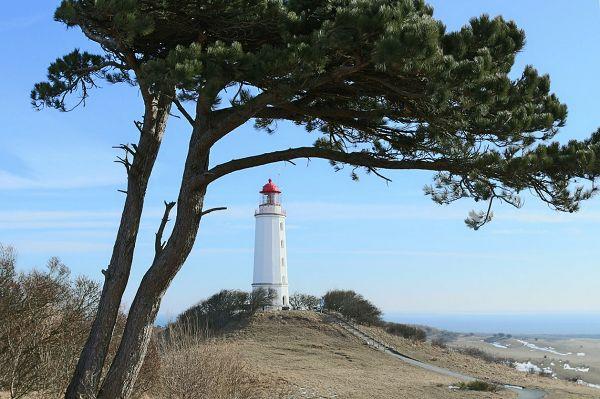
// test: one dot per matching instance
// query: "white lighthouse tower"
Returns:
(270, 256)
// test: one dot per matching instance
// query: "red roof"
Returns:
(270, 187)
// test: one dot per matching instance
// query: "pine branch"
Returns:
(358, 158)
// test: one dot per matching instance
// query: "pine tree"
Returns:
(381, 83)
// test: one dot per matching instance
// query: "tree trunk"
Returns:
(87, 375)
(123, 372)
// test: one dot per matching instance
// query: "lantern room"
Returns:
(270, 194)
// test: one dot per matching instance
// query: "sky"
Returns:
(58, 190)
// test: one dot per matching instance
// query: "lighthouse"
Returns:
(270, 252)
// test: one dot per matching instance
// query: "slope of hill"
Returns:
(319, 359)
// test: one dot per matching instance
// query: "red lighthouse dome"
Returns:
(270, 188)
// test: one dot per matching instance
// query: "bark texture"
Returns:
(124, 369)
(86, 378)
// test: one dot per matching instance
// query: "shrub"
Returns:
(353, 306)
(44, 320)
(478, 386)
(487, 357)
(406, 331)
(212, 315)
(440, 343)
(304, 301)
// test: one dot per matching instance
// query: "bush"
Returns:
(478, 386)
(487, 357)
(45, 317)
(440, 343)
(406, 331)
(304, 301)
(353, 306)
(212, 315)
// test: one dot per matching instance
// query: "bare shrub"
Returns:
(44, 320)
(193, 368)
(478, 386)
(300, 301)
(487, 357)
(440, 343)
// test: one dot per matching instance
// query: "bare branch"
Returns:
(158, 244)
(183, 111)
(206, 212)
(375, 172)
(125, 162)
(128, 148)
(139, 125)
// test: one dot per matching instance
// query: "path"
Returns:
(523, 393)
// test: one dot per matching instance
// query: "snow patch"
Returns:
(567, 366)
(499, 345)
(587, 384)
(580, 354)
(548, 349)
(529, 367)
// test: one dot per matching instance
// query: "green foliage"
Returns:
(379, 77)
(75, 72)
(406, 331)
(221, 309)
(353, 306)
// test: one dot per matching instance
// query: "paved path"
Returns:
(524, 393)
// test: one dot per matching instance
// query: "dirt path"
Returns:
(523, 393)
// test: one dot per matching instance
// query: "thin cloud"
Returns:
(399, 253)
(33, 220)
(10, 181)
(61, 246)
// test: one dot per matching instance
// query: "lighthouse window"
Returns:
(282, 262)
(281, 243)
(281, 226)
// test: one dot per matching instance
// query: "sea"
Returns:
(568, 324)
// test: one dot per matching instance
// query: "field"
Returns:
(321, 360)
(562, 357)
(303, 355)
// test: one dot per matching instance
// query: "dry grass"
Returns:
(324, 361)
(193, 368)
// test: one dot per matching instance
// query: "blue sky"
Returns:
(58, 190)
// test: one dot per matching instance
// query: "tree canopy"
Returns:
(379, 84)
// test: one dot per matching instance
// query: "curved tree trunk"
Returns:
(87, 375)
(167, 262)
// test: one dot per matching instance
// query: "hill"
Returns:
(318, 358)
